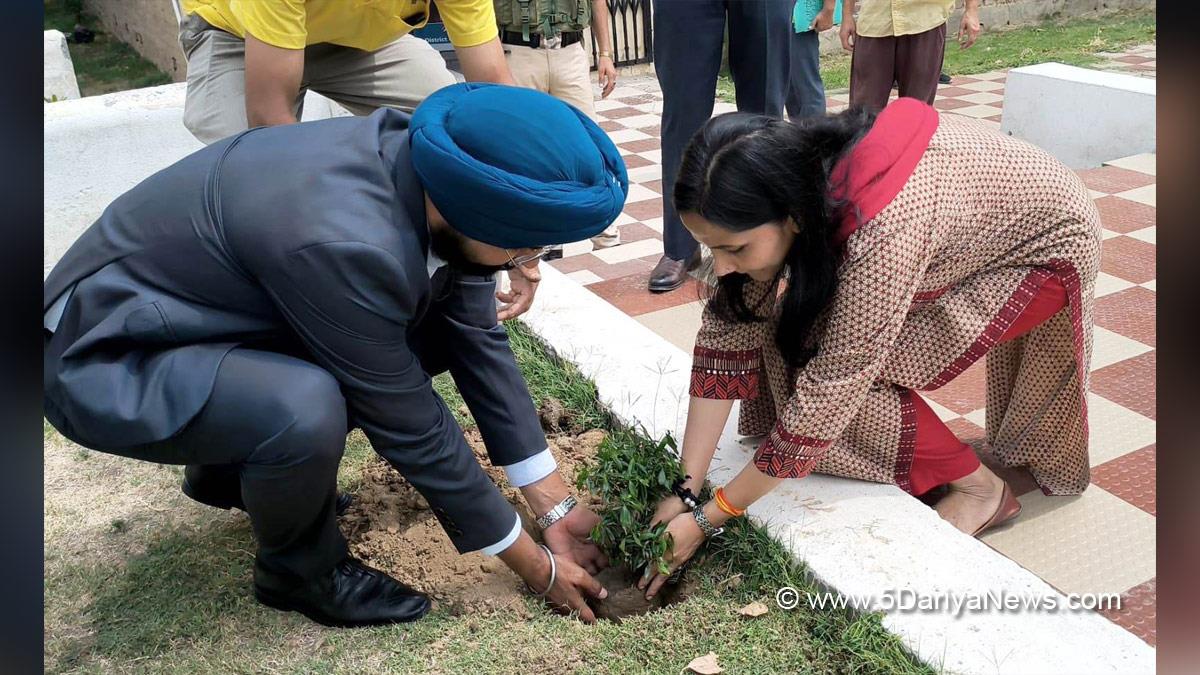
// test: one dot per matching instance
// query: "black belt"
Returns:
(535, 41)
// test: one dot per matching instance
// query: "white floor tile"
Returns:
(630, 251)
(1143, 163)
(984, 97)
(984, 85)
(640, 121)
(1145, 195)
(626, 135)
(645, 174)
(1109, 347)
(976, 111)
(1095, 542)
(584, 277)
(1114, 430)
(1107, 284)
(678, 325)
(637, 193)
(1146, 234)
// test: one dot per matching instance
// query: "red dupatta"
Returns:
(878, 166)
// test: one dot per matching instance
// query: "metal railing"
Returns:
(630, 25)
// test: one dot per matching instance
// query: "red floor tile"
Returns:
(645, 209)
(636, 267)
(1130, 312)
(1112, 179)
(965, 392)
(575, 263)
(629, 294)
(1130, 383)
(1138, 611)
(655, 185)
(641, 145)
(951, 103)
(638, 100)
(635, 161)
(655, 131)
(620, 113)
(610, 126)
(1129, 259)
(1131, 477)
(1018, 478)
(1124, 215)
(951, 91)
(631, 232)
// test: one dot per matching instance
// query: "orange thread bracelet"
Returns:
(724, 505)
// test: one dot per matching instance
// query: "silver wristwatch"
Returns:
(556, 514)
(705, 526)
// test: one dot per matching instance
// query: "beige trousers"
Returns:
(566, 75)
(398, 75)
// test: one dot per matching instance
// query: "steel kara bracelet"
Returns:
(557, 513)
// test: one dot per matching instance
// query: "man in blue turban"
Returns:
(241, 310)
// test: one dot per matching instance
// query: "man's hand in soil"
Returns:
(572, 585)
(570, 537)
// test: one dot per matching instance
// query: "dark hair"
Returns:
(742, 170)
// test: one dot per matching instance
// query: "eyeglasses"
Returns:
(515, 262)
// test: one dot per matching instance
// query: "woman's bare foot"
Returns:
(972, 499)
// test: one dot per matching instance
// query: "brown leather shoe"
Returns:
(1008, 509)
(670, 274)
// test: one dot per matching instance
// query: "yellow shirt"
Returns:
(885, 18)
(362, 24)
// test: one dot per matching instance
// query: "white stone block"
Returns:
(98, 147)
(1083, 117)
(58, 73)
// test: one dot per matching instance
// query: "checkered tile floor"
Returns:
(1102, 541)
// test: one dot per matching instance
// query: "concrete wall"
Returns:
(149, 26)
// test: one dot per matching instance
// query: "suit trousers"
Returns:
(280, 424)
(688, 40)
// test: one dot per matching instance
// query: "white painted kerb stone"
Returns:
(58, 73)
(859, 538)
(1083, 117)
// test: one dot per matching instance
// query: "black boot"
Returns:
(351, 594)
(219, 486)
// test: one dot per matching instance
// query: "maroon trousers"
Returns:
(914, 61)
(938, 455)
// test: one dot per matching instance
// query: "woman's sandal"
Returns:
(1008, 509)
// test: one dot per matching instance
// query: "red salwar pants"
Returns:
(939, 456)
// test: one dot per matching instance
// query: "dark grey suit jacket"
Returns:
(309, 239)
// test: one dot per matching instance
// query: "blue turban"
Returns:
(515, 167)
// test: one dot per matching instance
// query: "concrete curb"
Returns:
(863, 539)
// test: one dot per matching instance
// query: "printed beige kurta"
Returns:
(926, 288)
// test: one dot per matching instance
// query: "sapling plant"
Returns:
(631, 474)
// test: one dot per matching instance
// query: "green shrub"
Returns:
(631, 474)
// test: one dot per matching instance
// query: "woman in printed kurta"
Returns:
(862, 259)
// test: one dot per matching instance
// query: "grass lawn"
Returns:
(106, 64)
(1072, 41)
(138, 578)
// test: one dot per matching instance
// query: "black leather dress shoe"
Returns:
(351, 594)
(670, 273)
(220, 487)
(944, 78)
